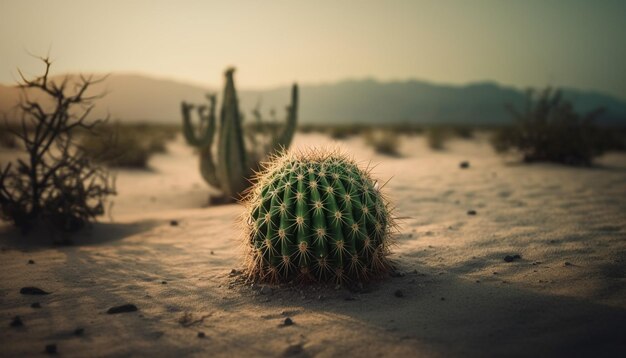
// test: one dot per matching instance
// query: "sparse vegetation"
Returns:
(383, 141)
(126, 146)
(436, 137)
(549, 129)
(55, 183)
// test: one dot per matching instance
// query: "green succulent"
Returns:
(316, 216)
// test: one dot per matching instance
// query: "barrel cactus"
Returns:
(316, 216)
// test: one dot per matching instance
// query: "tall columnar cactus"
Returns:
(316, 216)
(235, 161)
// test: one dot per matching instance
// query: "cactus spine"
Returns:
(234, 162)
(316, 216)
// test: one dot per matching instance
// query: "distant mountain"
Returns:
(143, 98)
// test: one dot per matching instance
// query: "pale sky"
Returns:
(580, 44)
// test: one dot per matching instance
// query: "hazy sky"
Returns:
(571, 43)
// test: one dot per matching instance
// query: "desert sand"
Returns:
(564, 296)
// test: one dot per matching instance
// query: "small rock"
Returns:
(495, 273)
(35, 305)
(163, 282)
(288, 322)
(173, 223)
(31, 262)
(79, 331)
(293, 350)
(471, 212)
(567, 263)
(33, 291)
(477, 281)
(212, 253)
(51, 348)
(398, 293)
(129, 307)
(16, 322)
(201, 335)
(511, 258)
(464, 164)
(443, 298)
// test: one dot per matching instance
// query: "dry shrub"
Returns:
(549, 129)
(56, 184)
(126, 146)
(383, 141)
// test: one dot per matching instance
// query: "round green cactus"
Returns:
(316, 216)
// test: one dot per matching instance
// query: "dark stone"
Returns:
(287, 322)
(33, 291)
(173, 223)
(464, 164)
(163, 282)
(398, 293)
(293, 350)
(31, 262)
(35, 305)
(511, 258)
(443, 298)
(16, 322)
(471, 212)
(79, 331)
(129, 307)
(51, 349)
(201, 335)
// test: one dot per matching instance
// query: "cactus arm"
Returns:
(233, 171)
(283, 140)
(204, 141)
(205, 138)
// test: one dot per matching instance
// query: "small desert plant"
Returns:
(383, 141)
(436, 137)
(316, 216)
(126, 146)
(549, 129)
(56, 183)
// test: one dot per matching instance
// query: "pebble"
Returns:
(567, 263)
(173, 223)
(129, 307)
(464, 164)
(398, 293)
(287, 322)
(31, 262)
(51, 349)
(511, 258)
(33, 291)
(17, 322)
(293, 350)
(201, 335)
(471, 212)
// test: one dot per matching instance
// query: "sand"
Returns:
(565, 296)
